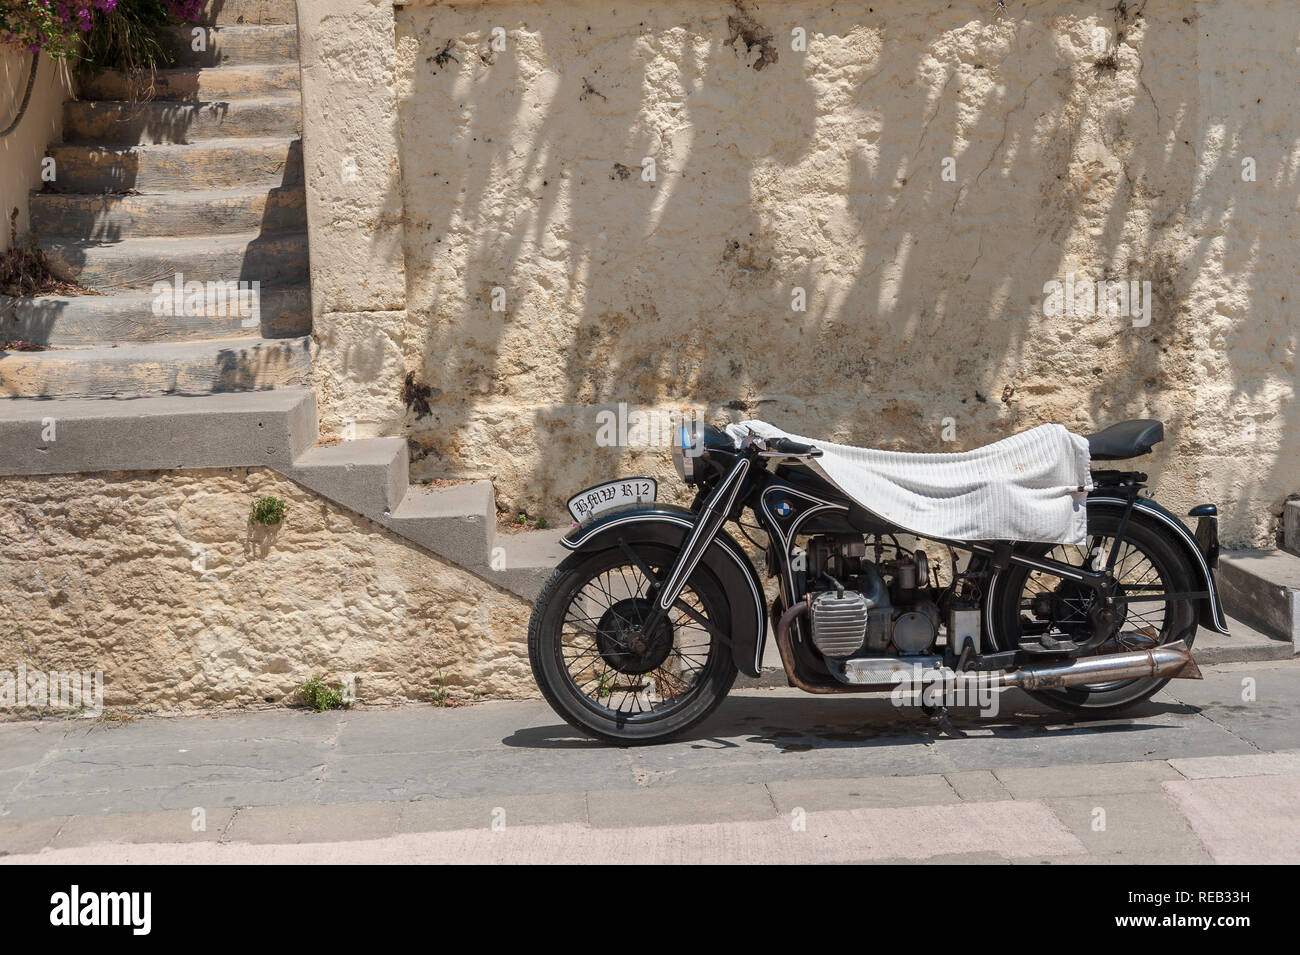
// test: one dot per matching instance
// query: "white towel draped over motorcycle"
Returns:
(1022, 488)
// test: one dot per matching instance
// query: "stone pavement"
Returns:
(1206, 772)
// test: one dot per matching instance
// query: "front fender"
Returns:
(1211, 611)
(668, 525)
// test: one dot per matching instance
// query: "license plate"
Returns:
(594, 500)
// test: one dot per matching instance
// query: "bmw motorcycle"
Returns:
(639, 633)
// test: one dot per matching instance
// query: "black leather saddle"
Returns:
(1128, 439)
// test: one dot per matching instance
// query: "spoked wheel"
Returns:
(605, 670)
(1034, 610)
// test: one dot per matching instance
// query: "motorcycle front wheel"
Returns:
(599, 668)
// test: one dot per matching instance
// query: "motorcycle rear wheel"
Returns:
(1146, 555)
(603, 674)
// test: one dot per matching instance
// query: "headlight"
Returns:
(685, 451)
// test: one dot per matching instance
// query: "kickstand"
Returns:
(939, 716)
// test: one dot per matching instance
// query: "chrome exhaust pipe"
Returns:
(1171, 661)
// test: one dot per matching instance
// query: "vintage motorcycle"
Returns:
(639, 633)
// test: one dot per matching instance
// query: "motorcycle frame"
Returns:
(744, 481)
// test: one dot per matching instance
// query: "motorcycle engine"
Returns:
(859, 606)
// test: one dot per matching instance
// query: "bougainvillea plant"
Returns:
(187, 10)
(57, 27)
(54, 26)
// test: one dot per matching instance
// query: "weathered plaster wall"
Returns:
(159, 580)
(22, 149)
(823, 170)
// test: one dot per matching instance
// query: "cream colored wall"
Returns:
(824, 171)
(159, 580)
(354, 212)
(21, 151)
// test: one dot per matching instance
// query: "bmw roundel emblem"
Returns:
(783, 508)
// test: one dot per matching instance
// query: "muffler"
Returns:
(1171, 661)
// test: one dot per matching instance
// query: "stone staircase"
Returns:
(278, 430)
(204, 181)
(1262, 586)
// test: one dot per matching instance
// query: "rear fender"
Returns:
(1211, 612)
(668, 525)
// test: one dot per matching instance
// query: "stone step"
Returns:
(1291, 526)
(1242, 644)
(528, 558)
(369, 475)
(459, 522)
(223, 12)
(195, 83)
(193, 368)
(275, 429)
(1262, 587)
(238, 429)
(139, 263)
(455, 522)
(84, 321)
(264, 209)
(211, 164)
(118, 123)
(232, 45)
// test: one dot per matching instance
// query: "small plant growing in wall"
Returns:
(523, 522)
(268, 511)
(319, 696)
(440, 695)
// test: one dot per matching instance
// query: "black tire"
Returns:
(572, 697)
(1144, 540)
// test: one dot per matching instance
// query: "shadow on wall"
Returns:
(919, 176)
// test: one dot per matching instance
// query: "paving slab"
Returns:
(681, 805)
(182, 797)
(479, 772)
(281, 723)
(1245, 820)
(28, 835)
(1133, 825)
(23, 746)
(959, 858)
(1256, 702)
(1251, 764)
(1086, 780)
(89, 769)
(229, 794)
(816, 795)
(426, 729)
(9, 781)
(1153, 859)
(142, 827)
(440, 815)
(1008, 830)
(977, 785)
(1158, 729)
(294, 825)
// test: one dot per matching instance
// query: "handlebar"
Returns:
(778, 447)
(793, 448)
